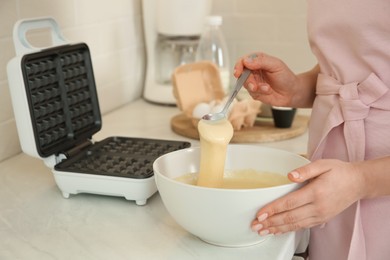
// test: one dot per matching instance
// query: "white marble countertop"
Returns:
(36, 222)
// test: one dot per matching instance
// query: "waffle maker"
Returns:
(57, 112)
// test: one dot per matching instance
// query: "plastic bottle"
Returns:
(212, 46)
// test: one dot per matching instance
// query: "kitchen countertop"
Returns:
(36, 222)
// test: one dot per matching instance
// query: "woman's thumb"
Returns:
(307, 172)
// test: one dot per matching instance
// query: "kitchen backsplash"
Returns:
(113, 31)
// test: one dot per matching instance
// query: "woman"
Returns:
(346, 202)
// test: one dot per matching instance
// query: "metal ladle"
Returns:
(220, 115)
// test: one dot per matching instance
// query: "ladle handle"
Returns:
(240, 81)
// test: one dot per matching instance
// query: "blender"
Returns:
(172, 31)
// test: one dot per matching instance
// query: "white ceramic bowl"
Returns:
(222, 216)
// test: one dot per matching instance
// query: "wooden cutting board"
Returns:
(263, 130)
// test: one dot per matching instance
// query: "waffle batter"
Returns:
(214, 138)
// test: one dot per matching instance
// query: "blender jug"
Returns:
(172, 52)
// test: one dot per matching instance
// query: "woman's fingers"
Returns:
(250, 61)
(293, 220)
(263, 62)
(238, 68)
(291, 212)
(256, 85)
(291, 201)
(309, 171)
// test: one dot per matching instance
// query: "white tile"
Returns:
(89, 34)
(62, 11)
(40, 39)
(117, 94)
(6, 112)
(9, 140)
(8, 14)
(220, 7)
(292, 28)
(7, 52)
(92, 11)
(120, 34)
(250, 28)
(271, 7)
(119, 67)
(297, 56)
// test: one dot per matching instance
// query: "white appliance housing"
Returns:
(54, 98)
(169, 18)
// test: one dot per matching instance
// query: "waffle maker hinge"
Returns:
(77, 149)
(51, 161)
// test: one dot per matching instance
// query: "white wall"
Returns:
(277, 27)
(113, 31)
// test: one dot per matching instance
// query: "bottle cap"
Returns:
(214, 20)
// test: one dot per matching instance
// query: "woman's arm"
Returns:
(376, 174)
(307, 83)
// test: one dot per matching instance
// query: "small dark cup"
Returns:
(283, 116)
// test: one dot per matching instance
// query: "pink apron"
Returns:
(351, 117)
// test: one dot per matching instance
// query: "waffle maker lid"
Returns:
(62, 97)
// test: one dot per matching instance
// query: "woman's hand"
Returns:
(273, 83)
(332, 186)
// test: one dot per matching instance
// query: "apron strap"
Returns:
(351, 108)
